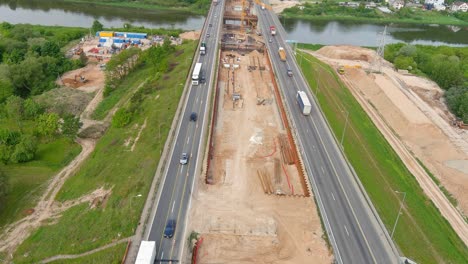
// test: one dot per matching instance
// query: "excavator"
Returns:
(341, 69)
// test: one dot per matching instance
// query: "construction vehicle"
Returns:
(304, 102)
(273, 30)
(282, 53)
(146, 253)
(203, 48)
(341, 69)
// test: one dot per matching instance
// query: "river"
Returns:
(305, 31)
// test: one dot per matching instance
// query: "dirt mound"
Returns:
(88, 79)
(65, 100)
(348, 53)
(192, 35)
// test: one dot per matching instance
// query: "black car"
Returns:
(170, 228)
(202, 79)
(193, 116)
(210, 25)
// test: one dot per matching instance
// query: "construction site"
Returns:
(252, 196)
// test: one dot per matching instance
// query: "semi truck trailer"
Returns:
(196, 73)
(146, 253)
(304, 102)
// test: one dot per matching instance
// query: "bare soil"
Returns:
(410, 112)
(279, 5)
(191, 35)
(94, 78)
(239, 221)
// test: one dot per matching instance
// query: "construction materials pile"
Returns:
(286, 151)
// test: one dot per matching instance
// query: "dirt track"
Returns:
(421, 126)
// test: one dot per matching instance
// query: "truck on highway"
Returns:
(272, 30)
(304, 102)
(203, 48)
(196, 73)
(282, 53)
(146, 253)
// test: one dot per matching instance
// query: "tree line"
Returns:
(447, 66)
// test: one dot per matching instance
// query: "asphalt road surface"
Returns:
(178, 179)
(353, 228)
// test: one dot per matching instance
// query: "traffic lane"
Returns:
(159, 221)
(337, 212)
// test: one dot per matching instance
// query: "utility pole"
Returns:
(344, 129)
(399, 212)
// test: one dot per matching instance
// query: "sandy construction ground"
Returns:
(413, 108)
(239, 222)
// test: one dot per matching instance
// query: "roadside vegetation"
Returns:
(447, 66)
(422, 233)
(331, 10)
(143, 120)
(35, 141)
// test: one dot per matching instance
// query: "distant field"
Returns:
(114, 166)
(422, 233)
(28, 179)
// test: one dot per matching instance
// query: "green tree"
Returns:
(6, 89)
(406, 63)
(121, 118)
(446, 73)
(5, 153)
(457, 101)
(51, 49)
(4, 188)
(97, 26)
(15, 107)
(25, 150)
(70, 126)
(31, 109)
(47, 124)
(408, 51)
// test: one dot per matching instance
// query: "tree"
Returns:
(457, 101)
(446, 73)
(70, 126)
(407, 63)
(31, 109)
(47, 124)
(15, 107)
(4, 188)
(408, 51)
(51, 49)
(25, 150)
(97, 26)
(6, 89)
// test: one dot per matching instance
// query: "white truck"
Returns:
(203, 48)
(146, 253)
(196, 73)
(304, 102)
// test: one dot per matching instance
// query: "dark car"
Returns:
(193, 116)
(290, 73)
(210, 25)
(202, 79)
(170, 228)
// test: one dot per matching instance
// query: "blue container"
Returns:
(102, 40)
(97, 34)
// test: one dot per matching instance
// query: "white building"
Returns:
(459, 6)
(434, 2)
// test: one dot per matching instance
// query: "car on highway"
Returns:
(210, 25)
(207, 35)
(170, 228)
(270, 40)
(202, 78)
(184, 158)
(289, 72)
(193, 116)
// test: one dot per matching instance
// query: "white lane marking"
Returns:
(333, 196)
(323, 170)
(173, 204)
(162, 255)
(346, 229)
(188, 139)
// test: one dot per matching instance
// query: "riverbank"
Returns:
(331, 11)
(197, 9)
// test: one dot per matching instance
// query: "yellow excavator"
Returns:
(341, 69)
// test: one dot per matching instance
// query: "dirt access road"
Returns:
(238, 221)
(410, 113)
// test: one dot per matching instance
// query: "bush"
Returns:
(25, 150)
(121, 118)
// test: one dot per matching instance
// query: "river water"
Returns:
(319, 32)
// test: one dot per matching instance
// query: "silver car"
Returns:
(184, 158)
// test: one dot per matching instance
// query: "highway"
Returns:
(354, 229)
(177, 183)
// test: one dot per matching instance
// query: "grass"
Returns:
(112, 165)
(109, 255)
(27, 180)
(422, 233)
(131, 82)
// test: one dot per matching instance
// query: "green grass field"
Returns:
(111, 255)
(422, 233)
(27, 180)
(112, 165)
